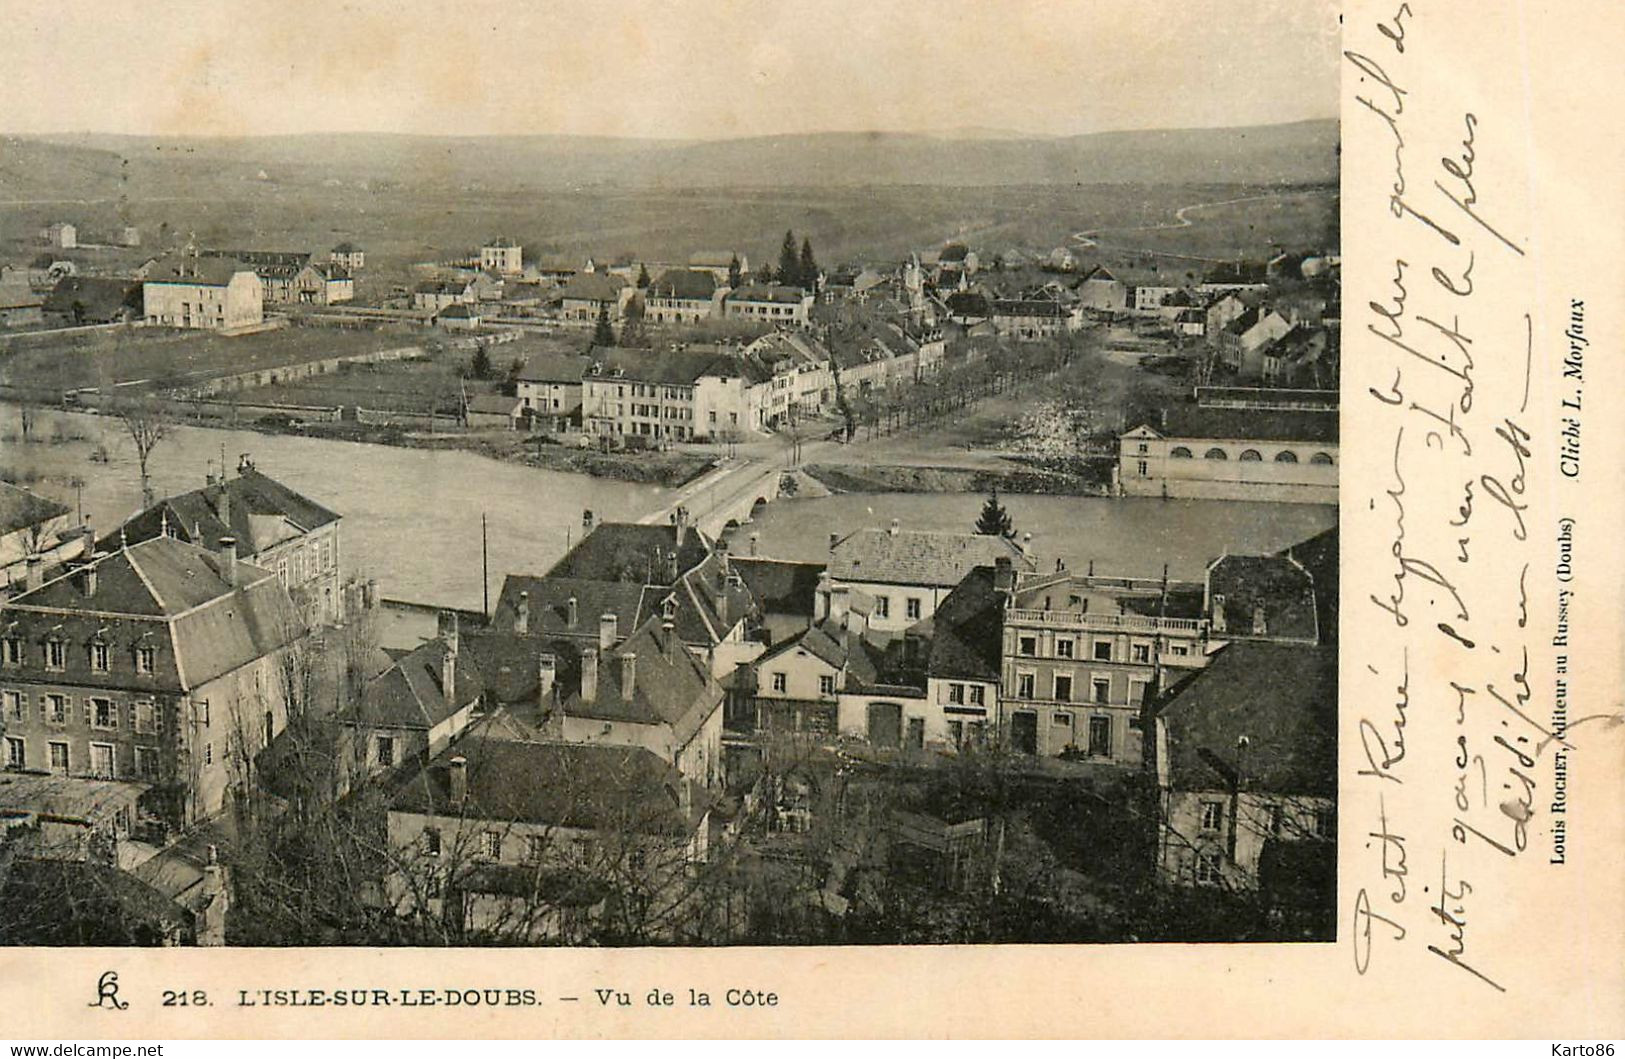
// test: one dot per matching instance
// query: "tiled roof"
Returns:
(780, 586)
(630, 551)
(549, 601)
(696, 284)
(409, 694)
(555, 366)
(713, 258)
(1275, 588)
(670, 685)
(262, 510)
(493, 404)
(1319, 555)
(1029, 307)
(663, 368)
(195, 271)
(594, 286)
(775, 292)
(967, 630)
(20, 508)
(1281, 697)
(1242, 424)
(459, 312)
(624, 789)
(918, 557)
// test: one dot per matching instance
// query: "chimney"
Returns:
(629, 675)
(895, 526)
(448, 659)
(586, 521)
(1027, 542)
(457, 779)
(222, 505)
(371, 597)
(679, 519)
(589, 675)
(521, 614)
(834, 539)
(668, 635)
(722, 559)
(608, 627)
(36, 572)
(822, 608)
(755, 538)
(1218, 613)
(228, 560)
(1004, 575)
(570, 614)
(90, 578)
(547, 671)
(1260, 626)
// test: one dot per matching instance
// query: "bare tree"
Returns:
(148, 423)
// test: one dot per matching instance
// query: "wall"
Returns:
(1183, 837)
(1231, 478)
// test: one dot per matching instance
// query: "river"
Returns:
(1131, 536)
(411, 516)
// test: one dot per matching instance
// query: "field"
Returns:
(396, 386)
(172, 358)
(878, 224)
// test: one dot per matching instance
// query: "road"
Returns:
(1086, 238)
(751, 473)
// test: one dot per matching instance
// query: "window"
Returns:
(1103, 650)
(1180, 452)
(1063, 719)
(491, 845)
(882, 606)
(956, 693)
(12, 652)
(978, 695)
(1063, 648)
(1024, 685)
(144, 659)
(1274, 820)
(103, 714)
(16, 753)
(1320, 458)
(1215, 454)
(1103, 689)
(911, 608)
(385, 750)
(59, 757)
(431, 841)
(956, 733)
(1286, 456)
(1063, 687)
(1029, 645)
(1141, 652)
(781, 682)
(101, 761)
(11, 705)
(208, 753)
(637, 860)
(146, 762)
(1212, 816)
(1136, 692)
(1250, 456)
(1207, 868)
(1325, 823)
(54, 654)
(1141, 448)
(1142, 468)
(99, 657)
(535, 847)
(56, 708)
(1178, 649)
(826, 684)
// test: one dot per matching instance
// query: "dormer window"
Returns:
(11, 651)
(1260, 627)
(100, 656)
(55, 654)
(145, 658)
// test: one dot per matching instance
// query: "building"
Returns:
(209, 293)
(435, 295)
(20, 306)
(640, 393)
(799, 682)
(33, 525)
(1082, 655)
(587, 295)
(348, 256)
(1241, 341)
(684, 296)
(1237, 444)
(160, 663)
(773, 304)
(278, 271)
(413, 710)
(1028, 319)
(495, 411)
(79, 300)
(459, 317)
(909, 572)
(273, 527)
(1245, 762)
(540, 841)
(549, 389)
(323, 284)
(502, 256)
(60, 234)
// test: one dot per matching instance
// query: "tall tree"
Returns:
(603, 334)
(994, 520)
(734, 271)
(789, 261)
(147, 423)
(808, 266)
(643, 277)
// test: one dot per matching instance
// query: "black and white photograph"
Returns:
(495, 475)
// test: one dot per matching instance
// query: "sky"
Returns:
(665, 69)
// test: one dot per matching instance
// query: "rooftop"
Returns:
(919, 557)
(258, 510)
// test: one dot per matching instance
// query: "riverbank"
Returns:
(895, 478)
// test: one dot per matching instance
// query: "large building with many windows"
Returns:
(158, 665)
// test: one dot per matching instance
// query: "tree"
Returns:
(147, 423)
(733, 271)
(994, 520)
(808, 266)
(643, 277)
(480, 365)
(604, 333)
(789, 261)
(633, 333)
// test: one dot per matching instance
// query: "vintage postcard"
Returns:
(773, 520)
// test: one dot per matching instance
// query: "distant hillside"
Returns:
(89, 165)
